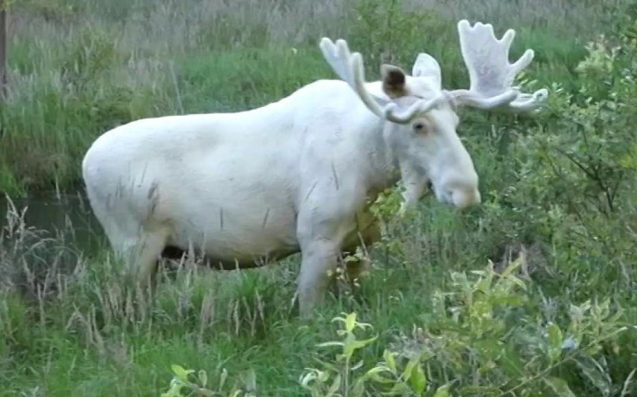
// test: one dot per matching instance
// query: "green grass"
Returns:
(264, 76)
(558, 188)
(87, 336)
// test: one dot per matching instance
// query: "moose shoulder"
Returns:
(296, 175)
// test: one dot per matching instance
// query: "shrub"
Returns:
(483, 337)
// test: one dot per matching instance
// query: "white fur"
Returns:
(296, 175)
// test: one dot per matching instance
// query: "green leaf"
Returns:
(418, 380)
(357, 365)
(398, 389)
(223, 378)
(174, 391)
(350, 322)
(511, 267)
(389, 360)
(407, 372)
(327, 344)
(359, 388)
(511, 362)
(595, 373)
(559, 387)
(555, 340)
(334, 387)
(628, 383)
(443, 391)
(203, 378)
(375, 374)
(352, 345)
(181, 373)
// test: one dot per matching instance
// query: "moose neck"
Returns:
(383, 152)
(382, 148)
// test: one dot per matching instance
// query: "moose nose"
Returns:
(462, 198)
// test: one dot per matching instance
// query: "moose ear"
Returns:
(393, 81)
(427, 66)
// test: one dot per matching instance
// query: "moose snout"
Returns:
(463, 198)
(458, 194)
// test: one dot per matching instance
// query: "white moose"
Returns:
(296, 175)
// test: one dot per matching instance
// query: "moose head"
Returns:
(419, 115)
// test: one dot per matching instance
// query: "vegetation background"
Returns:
(531, 294)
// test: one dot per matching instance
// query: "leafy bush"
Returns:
(575, 169)
(483, 337)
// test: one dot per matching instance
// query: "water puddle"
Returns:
(63, 216)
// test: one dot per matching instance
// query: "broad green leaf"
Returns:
(180, 372)
(352, 345)
(398, 389)
(350, 322)
(443, 391)
(389, 360)
(418, 380)
(559, 387)
(407, 372)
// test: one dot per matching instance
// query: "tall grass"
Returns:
(78, 67)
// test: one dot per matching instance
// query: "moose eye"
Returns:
(419, 126)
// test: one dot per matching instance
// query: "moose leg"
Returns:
(147, 258)
(318, 259)
(140, 255)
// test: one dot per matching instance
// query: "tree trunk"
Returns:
(3, 49)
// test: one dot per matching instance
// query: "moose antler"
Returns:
(349, 67)
(490, 72)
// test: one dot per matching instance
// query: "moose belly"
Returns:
(235, 237)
